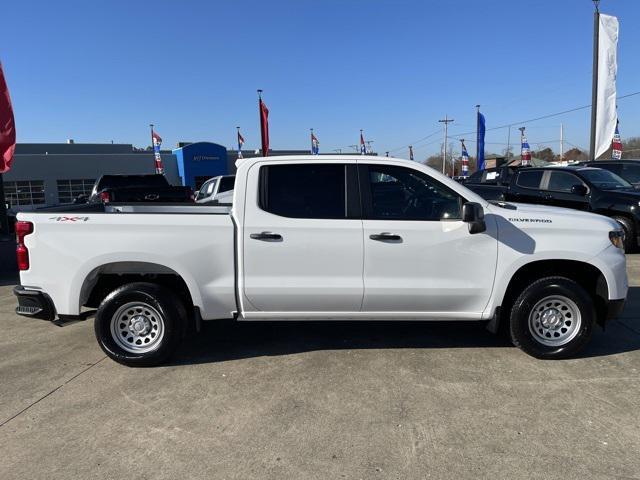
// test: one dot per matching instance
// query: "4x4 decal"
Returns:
(69, 219)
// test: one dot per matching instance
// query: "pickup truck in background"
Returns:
(578, 187)
(323, 238)
(138, 188)
(216, 189)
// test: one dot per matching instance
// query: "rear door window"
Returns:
(529, 179)
(304, 191)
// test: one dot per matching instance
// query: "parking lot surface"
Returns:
(321, 400)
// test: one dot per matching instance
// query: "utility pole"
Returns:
(446, 122)
(369, 150)
(508, 144)
(594, 80)
(561, 142)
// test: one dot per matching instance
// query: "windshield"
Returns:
(605, 179)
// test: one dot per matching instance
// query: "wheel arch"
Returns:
(105, 278)
(587, 275)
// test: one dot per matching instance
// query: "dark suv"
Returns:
(627, 169)
(578, 187)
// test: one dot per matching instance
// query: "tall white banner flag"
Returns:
(606, 115)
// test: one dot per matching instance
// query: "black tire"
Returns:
(163, 320)
(561, 295)
(630, 241)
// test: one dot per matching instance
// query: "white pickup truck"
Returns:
(323, 238)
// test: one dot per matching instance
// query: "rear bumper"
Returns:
(34, 303)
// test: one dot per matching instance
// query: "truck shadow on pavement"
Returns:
(228, 340)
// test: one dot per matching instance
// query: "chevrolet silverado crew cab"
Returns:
(323, 238)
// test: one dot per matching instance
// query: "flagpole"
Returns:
(594, 80)
(264, 153)
(4, 220)
(153, 150)
(477, 134)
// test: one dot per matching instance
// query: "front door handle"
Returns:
(268, 236)
(386, 237)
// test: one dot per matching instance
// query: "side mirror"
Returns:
(579, 190)
(473, 214)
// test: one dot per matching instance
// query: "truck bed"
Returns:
(80, 242)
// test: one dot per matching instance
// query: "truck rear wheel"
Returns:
(139, 324)
(552, 318)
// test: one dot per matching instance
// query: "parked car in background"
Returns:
(491, 183)
(627, 169)
(138, 189)
(215, 187)
(344, 237)
(577, 187)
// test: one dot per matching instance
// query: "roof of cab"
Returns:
(328, 158)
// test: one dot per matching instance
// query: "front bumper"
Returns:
(34, 303)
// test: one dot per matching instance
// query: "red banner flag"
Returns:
(7, 126)
(264, 127)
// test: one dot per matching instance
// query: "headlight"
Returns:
(617, 238)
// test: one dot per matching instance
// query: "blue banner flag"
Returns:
(480, 140)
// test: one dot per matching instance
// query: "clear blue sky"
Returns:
(102, 71)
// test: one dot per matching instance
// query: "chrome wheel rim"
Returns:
(137, 327)
(555, 321)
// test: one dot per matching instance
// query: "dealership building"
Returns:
(46, 174)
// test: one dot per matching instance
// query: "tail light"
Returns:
(105, 197)
(22, 253)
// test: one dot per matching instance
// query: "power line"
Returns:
(511, 124)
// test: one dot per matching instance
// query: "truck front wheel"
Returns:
(552, 318)
(139, 324)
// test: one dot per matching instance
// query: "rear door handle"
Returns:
(268, 236)
(386, 237)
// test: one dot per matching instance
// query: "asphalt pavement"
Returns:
(319, 401)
